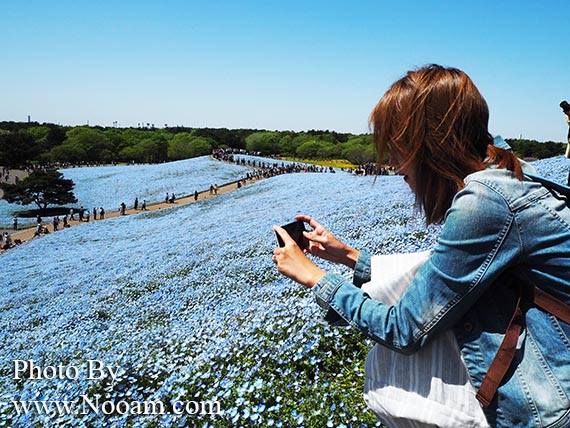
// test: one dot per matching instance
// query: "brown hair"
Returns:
(434, 120)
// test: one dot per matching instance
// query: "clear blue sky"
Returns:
(278, 65)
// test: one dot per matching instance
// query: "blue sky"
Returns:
(278, 65)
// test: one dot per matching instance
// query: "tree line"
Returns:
(43, 144)
(534, 149)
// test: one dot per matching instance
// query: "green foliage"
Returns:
(309, 149)
(66, 153)
(319, 149)
(221, 136)
(25, 143)
(266, 143)
(42, 187)
(16, 148)
(39, 133)
(55, 137)
(94, 142)
(535, 149)
(359, 150)
(184, 145)
(152, 149)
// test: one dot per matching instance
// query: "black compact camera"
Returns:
(295, 231)
(565, 106)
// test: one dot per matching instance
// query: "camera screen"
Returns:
(295, 231)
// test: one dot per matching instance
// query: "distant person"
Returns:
(86, 216)
(216, 187)
(123, 208)
(196, 195)
(136, 204)
(211, 189)
(102, 213)
(143, 206)
(566, 109)
(15, 222)
(38, 219)
(55, 223)
(71, 213)
(65, 223)
(172, 198)
(81, 213)
(7, 241)
(166, 198)
(94, 213)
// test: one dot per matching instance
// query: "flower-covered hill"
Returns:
(187, 303)
(108, 186)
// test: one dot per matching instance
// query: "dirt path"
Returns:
(27, 234)
(11, 178)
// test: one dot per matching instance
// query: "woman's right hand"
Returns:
(325, 245)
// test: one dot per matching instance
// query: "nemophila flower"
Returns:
(188, 305)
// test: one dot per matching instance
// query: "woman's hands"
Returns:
(325, 245)
(293, 263)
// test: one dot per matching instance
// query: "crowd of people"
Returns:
(269, 169)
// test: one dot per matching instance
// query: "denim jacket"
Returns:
(495, 225)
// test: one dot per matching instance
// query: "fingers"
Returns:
(283, 234)
(309, 220)
(317, 236)
(319, 232)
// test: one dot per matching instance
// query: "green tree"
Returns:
(536, 149)
(185, 145)
(266, 143)
(17, 148)
(359, 150)
(286, 146)
(289, 143)
(42, 187)
(55, 137)
(39, 134)
(152, 149)
(200, 146)
(179, 146)
(68, 152)
(94, 142)
(316, 149)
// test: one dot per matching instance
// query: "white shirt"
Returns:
(429, 388)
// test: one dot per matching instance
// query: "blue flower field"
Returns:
(186, 306)
(108, 186)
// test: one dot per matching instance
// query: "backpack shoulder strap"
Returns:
(506, 352)
(549, 184)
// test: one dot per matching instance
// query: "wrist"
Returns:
(351, 257)
(315, 277)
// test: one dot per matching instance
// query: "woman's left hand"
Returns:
(292, 262)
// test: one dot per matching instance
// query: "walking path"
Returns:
(28, 233)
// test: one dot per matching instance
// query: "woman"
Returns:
(497, 227)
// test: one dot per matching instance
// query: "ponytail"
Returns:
(504, 159)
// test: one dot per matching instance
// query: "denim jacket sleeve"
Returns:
(362, 275)
(479, 241)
